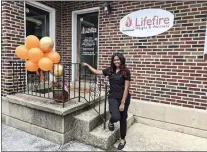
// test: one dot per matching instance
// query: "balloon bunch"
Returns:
(38, 53)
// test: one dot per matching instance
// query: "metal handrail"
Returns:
(29, 83)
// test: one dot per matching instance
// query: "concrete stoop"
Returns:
(97, 136)
(104, 138)
(89, 119)
(46, 119)
(89, 128)
(77, 121)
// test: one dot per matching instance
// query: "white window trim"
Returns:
(74, 35)
(52, 23)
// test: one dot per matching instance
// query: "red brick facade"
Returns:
(168, 68)
(12, 36)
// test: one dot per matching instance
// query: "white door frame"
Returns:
(74, 34)
(52, 22)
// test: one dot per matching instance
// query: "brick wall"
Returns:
(12, 36)
(167, 68)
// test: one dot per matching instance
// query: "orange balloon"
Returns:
(54, 56)
(46, 44)
(35, 54)
(45, 64)
(46, 54)
(22, 52)
(31, 66)
(32, 42)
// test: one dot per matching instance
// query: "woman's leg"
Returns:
(123, 120)
(123, 124)
(114, 110)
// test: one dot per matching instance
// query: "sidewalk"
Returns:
(139, 138)
(17, 140)
(145, 138)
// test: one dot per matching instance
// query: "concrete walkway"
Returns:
(139, 138)
(17, 140)
(145, 138)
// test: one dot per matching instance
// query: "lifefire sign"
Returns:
(147, 22)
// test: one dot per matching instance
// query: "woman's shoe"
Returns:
(111, 126)
(121, 145)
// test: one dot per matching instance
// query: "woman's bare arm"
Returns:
(95, 71)
(126, 90)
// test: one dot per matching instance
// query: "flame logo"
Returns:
(128, 22)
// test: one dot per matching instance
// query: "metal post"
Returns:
(44, 83)
(13, 75)
(105, 106)
(69, 81)
(99, 97)
(84, 82)
(24, 75)
(20, 76)
(17, 79)
(48, 82)
(63, 87)
(79, 82)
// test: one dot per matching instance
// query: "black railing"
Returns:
(65, 82)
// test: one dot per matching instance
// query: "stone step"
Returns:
(89, 119)
(104, 138)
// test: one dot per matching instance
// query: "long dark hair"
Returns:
(123, 69)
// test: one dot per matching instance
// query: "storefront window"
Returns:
(37, 23)
(88, 38)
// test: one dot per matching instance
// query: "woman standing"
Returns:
(119, 97)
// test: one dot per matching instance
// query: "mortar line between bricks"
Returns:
(170, 123)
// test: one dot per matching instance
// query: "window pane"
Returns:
(37, 23)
